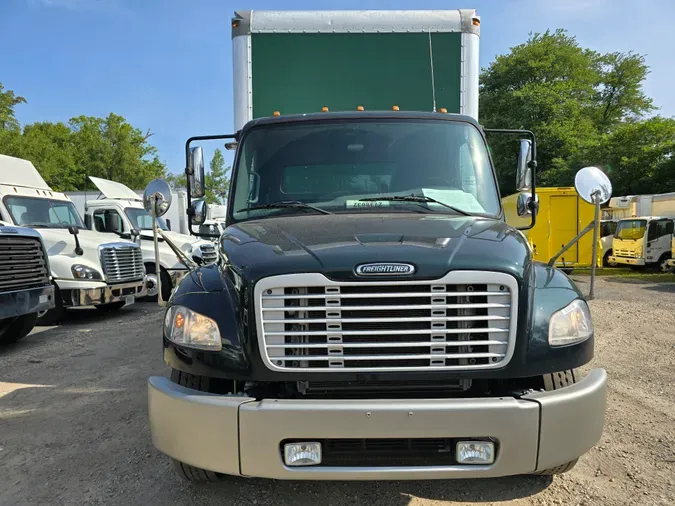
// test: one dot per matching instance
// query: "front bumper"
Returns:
(21, 302)
(242, 436)
(77, 297)
(627, 260)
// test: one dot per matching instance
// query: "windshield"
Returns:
(607, 228)
(631, 229)
(333, 165)
(43, 213)
(141, 220)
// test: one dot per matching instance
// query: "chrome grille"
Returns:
(22, 263)
(122, 262)
(209, 254)
(466, 320)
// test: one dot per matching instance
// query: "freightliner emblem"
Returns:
(384, 269)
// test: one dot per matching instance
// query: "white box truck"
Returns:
(88, 269)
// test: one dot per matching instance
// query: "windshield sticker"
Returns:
(352, 204)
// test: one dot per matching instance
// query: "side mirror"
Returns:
(525, 206)
(168, 224)
(195, 166)
(113, 223)
(199, 211)
(593, 185)
(157, 197)
(524, 168)
(73, 230)
(135, 235)
(87, 221)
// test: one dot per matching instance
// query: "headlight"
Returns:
(84, 272)
(192, 330)
(572, 324)
(638, 252)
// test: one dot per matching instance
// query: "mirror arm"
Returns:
(532, 164)
(187, 175)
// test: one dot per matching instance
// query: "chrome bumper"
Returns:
(106, 295)
(21, 302)
(242, 436)
(627, 260)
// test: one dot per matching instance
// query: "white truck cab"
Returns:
(120, 213)
(87, 268)
(607, 231)
(644, 241)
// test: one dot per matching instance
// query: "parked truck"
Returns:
(562, 215)
(87, 269)
(120, 212)
(644, 241)
(371, 315)
(25, 285)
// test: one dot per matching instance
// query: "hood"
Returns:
(114, 190)
(336, 244)
(183, 241)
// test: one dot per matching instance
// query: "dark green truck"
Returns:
(371, 315)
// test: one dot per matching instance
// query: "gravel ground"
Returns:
(73, 421)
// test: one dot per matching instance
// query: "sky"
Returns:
(166, 65)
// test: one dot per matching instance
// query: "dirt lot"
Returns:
(73, 421)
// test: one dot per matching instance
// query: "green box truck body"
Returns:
(301, 62)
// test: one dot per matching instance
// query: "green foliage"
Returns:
(217, 182)
(579, 104)
(8, 100)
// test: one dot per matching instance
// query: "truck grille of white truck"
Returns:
(122, 262)
(209, 254)
(464, 321)
(22, 263)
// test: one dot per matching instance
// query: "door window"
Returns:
(108, 220)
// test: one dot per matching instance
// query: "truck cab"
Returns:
(606, 235)
(120, 213)
(87, 268)
(644, 241)
(25, 283)
(371, 315)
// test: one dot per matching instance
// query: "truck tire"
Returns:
(663, 266)
(167, 286)
(55, 315)
(556, 381)
(112, 306)
(13, 329)
(186, 471)
(605, 259)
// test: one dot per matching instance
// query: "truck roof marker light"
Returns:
(235, 23)
(360, 108)
(443, 110)
(276, 113)
(324, 109)
(475, 22)
(395, 108)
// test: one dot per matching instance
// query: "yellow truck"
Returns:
(562, 215)
(644, 241)
(671, 261)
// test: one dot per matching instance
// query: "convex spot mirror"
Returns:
(195, 171)
(591, 184)
(200, 209)
(524, 205)
(157, 197)
(524, 167)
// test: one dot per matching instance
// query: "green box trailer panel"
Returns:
(301, 73)
(298, 62)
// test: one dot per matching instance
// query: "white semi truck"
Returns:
(88, 269)
(120, 213)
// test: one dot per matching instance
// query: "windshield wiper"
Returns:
(285, 204)
(414, 198)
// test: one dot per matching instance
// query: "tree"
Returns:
(8, 100)
(113, 149)
(571, 98)
(217, 182)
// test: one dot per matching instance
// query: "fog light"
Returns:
(475, 452)
(302, 454)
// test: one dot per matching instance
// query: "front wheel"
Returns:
(153, 286)
(13, 329)
(663, 265)
(606, 261)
